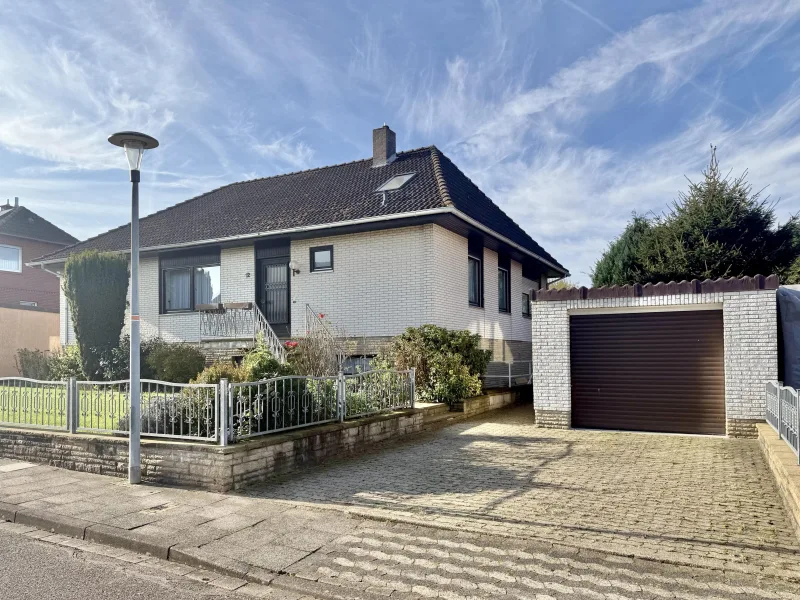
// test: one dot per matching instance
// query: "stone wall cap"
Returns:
(671, 288)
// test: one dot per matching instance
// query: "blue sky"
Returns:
(570, 114)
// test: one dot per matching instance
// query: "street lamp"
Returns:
(134, 144)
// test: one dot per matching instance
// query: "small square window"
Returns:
(10, 259)
(526, 305)
(322, 258)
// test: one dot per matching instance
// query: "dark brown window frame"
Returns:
(312, 263)
(526, 305)
(163, 287)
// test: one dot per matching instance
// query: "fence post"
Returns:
(72, 405)
(780, 411)
(222, 398)
(340, 396)
(413, 376)
(509, 374)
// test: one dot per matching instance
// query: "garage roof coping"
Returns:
(695, 286)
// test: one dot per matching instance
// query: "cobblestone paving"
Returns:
(684, 499)
(405, 562)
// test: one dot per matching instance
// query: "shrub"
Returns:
(66, 363)
(178, 363)
(448, 363)
(188, 412)
(450, 380)
(32, 363)
(96, 286)
(260, 364)
(115, 365)
(222, 370)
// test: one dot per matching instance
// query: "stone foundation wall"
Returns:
(220, 469)
(783, 464)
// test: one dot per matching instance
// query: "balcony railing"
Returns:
(238, 321)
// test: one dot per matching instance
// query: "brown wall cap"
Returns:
(671, 288)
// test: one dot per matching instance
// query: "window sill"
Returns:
(471, 305)
(178, 312)
(322, 271)
(526, 317)
(503, 312)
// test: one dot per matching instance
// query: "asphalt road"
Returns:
(30, 569)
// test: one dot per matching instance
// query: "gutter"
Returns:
(380, 219)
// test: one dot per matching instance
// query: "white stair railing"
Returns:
(262, 327)
(328, 346)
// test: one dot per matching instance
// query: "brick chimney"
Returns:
(384, 146)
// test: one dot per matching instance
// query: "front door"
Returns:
(274, 296)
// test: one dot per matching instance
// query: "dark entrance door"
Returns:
(656, 371)
(274, 294)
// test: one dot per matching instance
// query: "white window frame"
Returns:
(19, 259)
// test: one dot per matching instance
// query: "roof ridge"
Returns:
(441, 182)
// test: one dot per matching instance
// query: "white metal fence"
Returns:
(203, 412)
(783, 414)
(507, 374)
(171, 410)
(33, 403)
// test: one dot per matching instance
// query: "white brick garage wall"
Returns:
(750, 338)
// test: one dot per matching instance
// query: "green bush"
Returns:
(32, 363)
(222, 370)
(116, 363)
(96, 286)
(259, 363)
(66, 363)
(448, 363)
(177, 363)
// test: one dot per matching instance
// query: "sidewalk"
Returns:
(288, 550)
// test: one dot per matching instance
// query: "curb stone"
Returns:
(129, 540)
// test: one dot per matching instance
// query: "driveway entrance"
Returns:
(685, 499)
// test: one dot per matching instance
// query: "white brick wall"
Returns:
(750, 336)
(451, 308)
(380, 283)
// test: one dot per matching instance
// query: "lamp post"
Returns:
(134, 144)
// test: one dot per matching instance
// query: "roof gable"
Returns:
(24, 223)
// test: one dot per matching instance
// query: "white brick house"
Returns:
(431, 249)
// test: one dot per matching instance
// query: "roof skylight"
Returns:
(396, 182)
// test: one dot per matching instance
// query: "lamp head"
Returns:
(134, 144)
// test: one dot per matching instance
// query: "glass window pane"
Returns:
(177, 289)
(474, 281)
(206, 285)
(10, 259)
(526, 305)
(502, 289)
(323, 259)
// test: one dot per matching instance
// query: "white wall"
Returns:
(450, 281)
(379, 286)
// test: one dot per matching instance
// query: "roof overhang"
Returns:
(343, 227)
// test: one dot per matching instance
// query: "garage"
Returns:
(658, 371)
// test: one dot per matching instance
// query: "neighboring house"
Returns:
(29, 298)
(376, 245)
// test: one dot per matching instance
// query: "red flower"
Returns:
(291, 344)
(321, 316)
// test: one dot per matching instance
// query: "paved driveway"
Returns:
(684, 499)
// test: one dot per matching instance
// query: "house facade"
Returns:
(29, 297)
(374, 246)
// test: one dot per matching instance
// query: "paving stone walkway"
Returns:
(481, 509)
(685, 499)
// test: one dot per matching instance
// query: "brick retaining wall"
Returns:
(783, 463)
(217, 468)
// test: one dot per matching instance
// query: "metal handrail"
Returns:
(783, 414)
(271, 339)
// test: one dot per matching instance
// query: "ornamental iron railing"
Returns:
(373, 392)
(322, 345)
(32, 403)
(203, 412)
(239, 321)
(168, 410)
(783, 414)
(507, 374)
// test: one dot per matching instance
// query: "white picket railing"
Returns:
(783, 414)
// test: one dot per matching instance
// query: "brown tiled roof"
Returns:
(695, 286)
(317, 197)
(24, 223)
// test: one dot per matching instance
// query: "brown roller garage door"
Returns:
(650, 371)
